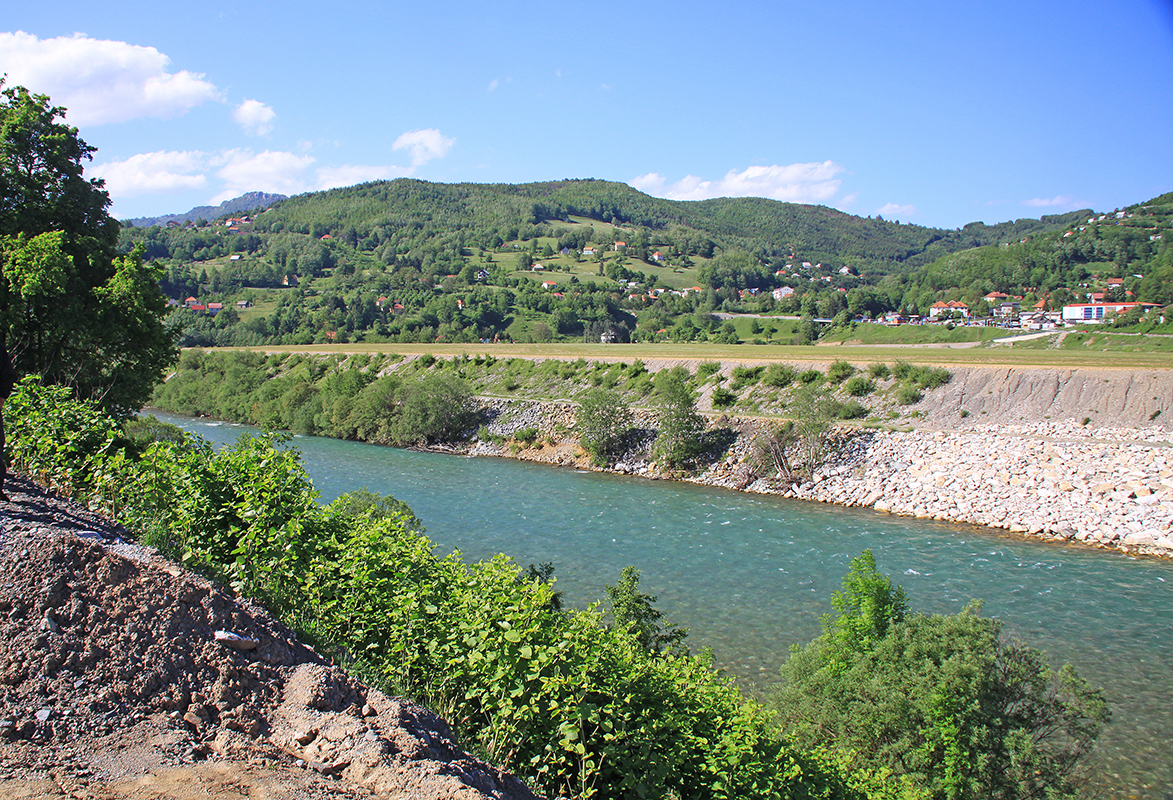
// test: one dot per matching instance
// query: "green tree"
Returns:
(682, 429)
(433, 409)
(603, 421)
(635, 613)
(948, 705)
(70, 311)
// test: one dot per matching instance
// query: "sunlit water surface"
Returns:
(750, 575)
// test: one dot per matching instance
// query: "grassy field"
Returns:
(874, 333)
(1017, 356)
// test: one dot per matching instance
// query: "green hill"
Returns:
(417, 261)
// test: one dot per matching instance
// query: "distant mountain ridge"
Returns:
(237, 205)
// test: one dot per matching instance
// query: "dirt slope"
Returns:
(117, 680)
(1122, 398)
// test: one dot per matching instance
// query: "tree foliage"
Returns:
(948, 705)
(635, 613)
(681, 436)
(71, 312)
(603, 421)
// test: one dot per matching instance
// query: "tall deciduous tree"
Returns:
(70, 310)
(603, 420)
(682, 429)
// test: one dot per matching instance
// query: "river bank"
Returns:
(1061, 481)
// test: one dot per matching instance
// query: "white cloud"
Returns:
(101, 81)
(493, 84)
(243, 170)
(351, 174)
(424, 145)
(153, 173)
(896, 211)
(255, 117)
(1062, 200)
(794, 183)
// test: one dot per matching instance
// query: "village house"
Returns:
(948, 308)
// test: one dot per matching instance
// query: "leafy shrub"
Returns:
(723, 398)
(527, 436)
(707, 368)
(933, 377)
(779, 375)
(879, 371)
(426, 360)
(859, 386)
(810, 376)
(745, 376)
(840, 371)
(852, 409)
(907, 394)
(434, 408)
(56, 439)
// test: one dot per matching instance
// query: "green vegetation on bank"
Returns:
(580, 703)
(387, 399)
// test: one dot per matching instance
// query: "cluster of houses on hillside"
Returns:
(211, 309)
(1006, 308)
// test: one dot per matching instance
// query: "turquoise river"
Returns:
(750, 575)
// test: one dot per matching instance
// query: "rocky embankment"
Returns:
(1063, 479)
(124, 676)
(1056, 480)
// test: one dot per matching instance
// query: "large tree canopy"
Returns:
(70, 311)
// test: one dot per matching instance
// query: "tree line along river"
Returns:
(750, 575)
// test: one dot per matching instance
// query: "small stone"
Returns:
(235, 640)
(44, 714)
(367, 711)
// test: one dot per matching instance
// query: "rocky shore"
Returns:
(1057, 480)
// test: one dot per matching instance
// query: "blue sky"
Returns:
(933, 113)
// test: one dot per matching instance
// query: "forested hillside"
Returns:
(407, 260)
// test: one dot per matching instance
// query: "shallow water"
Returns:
(750, 575)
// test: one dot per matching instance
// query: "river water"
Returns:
(750, 575)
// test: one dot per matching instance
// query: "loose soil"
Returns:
(123, 675)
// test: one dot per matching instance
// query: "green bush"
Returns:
(907, 394)
(603, 421)
(56, 439)
(879, 371)
(810, 376)
(745, 376)
(852, 409)
(527, 436)
(779, 375)
(859, 386)
(433, 409)
(707, 368)
(723, 398)
(840, 371)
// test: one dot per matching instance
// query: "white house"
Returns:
(1095, 312)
